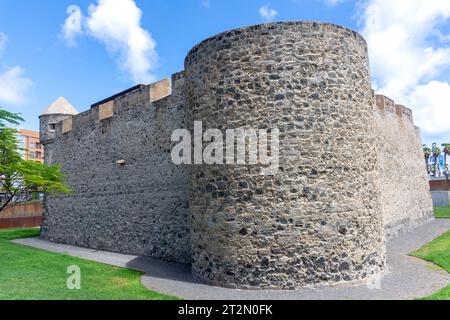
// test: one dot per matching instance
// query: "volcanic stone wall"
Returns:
(405, 191)
(350, 164)
(318, 219)
(127, 196)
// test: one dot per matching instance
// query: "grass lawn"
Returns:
(437, 252)
(33, 274)
(442, 212)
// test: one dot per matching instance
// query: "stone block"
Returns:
(106, 110)
(67, 125)
(379, 100)
(160, 89)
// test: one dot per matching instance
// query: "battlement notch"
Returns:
(386, 104)
(138, 95)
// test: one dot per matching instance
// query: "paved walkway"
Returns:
(407, 277)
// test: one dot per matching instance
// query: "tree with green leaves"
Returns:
(427, 155)
(446, 152)
(436, 151)
(18, 176)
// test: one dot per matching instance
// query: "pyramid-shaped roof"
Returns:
(60, 106)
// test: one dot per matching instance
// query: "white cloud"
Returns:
(432, 105)
(407, 51)
(117, 24)
(267, 13)
(14, 86)
(72, 27)
(206, 3)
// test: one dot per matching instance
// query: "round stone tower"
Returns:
(59, 110)
(316, 220)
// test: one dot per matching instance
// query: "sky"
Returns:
(88, 50)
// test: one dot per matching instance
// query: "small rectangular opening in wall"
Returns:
(52, 126)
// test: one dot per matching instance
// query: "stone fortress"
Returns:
(351, 172)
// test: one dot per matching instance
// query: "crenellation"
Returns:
(384, 103)
(106, 110)
(160, 89)
(405, 197)
(137, 96)
(178, 81)
(387, 105)
(67, 125)
(351, 170)
(120, 94)
(399, 110)
(418, 132)
(403, 111)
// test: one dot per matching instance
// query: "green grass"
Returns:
(437, 252)
(442, 212)
(32, 274)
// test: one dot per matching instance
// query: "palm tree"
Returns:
(446, 152)
(427, 154)
(436, 151)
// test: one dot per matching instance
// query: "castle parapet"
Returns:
(387, 105)
(116, 159)
(136, 96)
(400, 167)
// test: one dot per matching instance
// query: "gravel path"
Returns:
(406, 278)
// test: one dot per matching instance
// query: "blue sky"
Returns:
(39, 62)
